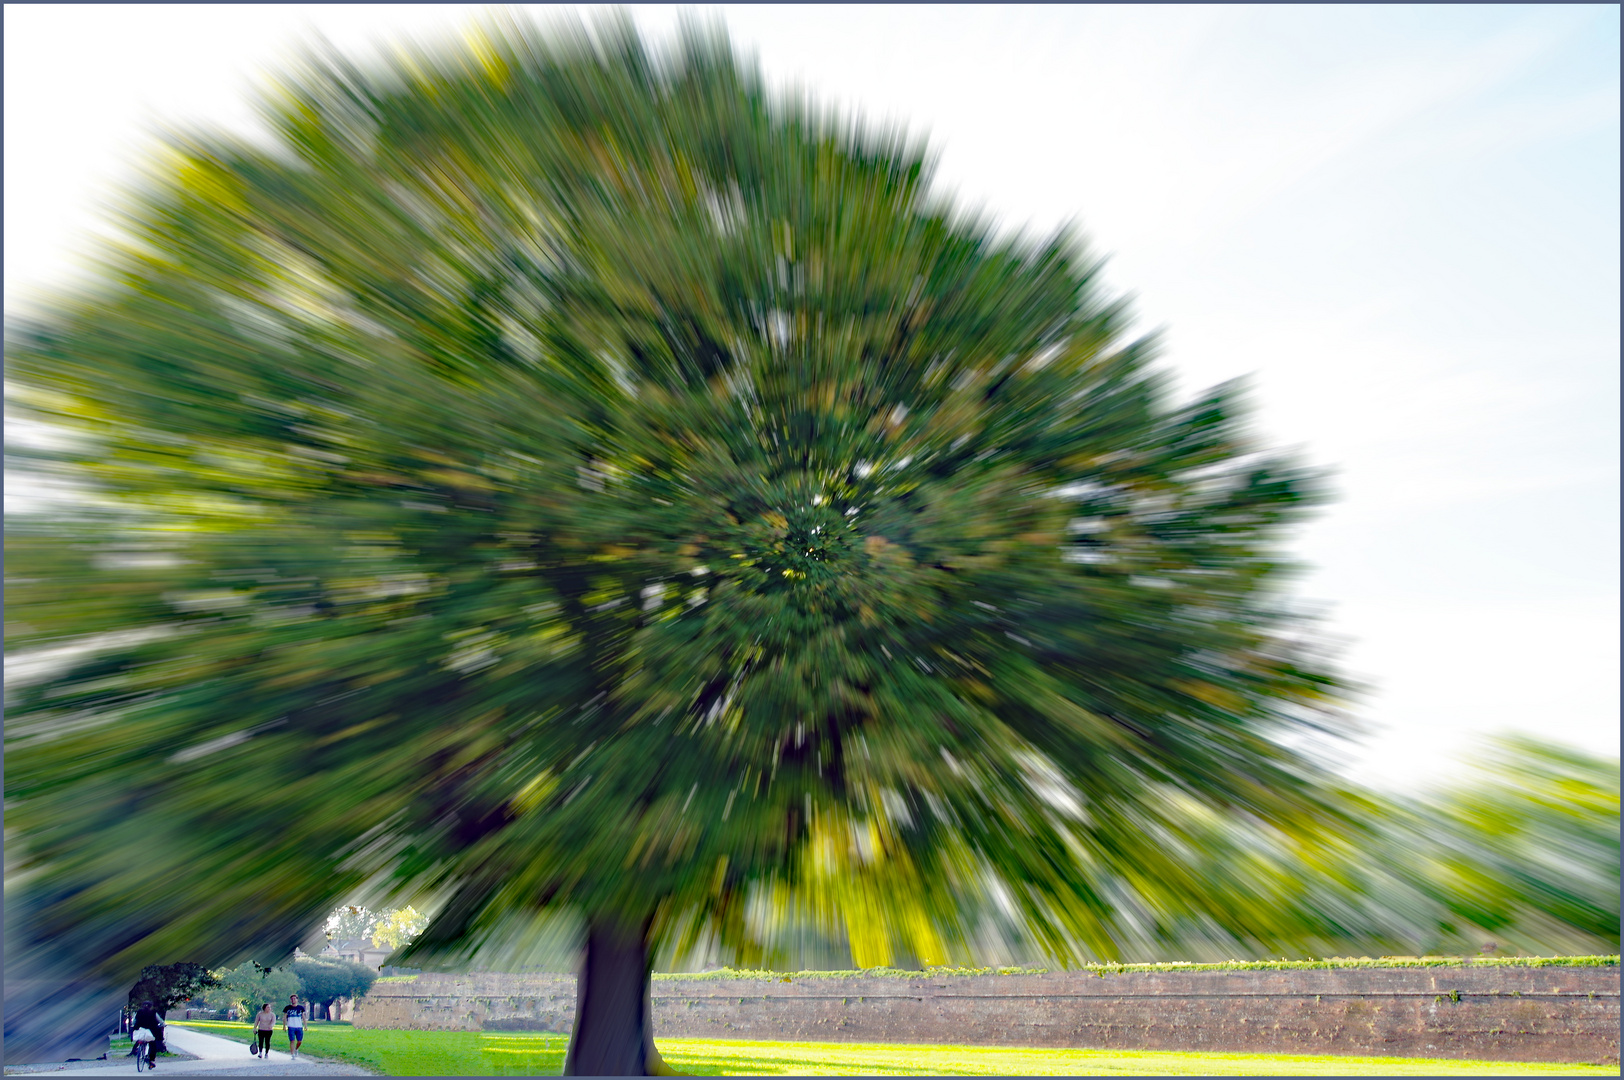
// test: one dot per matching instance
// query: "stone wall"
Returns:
(1568, 1014)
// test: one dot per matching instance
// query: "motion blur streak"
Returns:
(561, 481)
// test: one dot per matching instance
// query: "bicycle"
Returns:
(142, 1047)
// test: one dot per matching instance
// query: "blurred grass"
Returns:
(706, 1057)
(472, 1053)
(416, 1053)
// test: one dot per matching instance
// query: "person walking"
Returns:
(264, 1024)
(293, 1018)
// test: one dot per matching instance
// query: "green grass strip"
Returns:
(473, 1053)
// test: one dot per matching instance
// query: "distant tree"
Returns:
(566, 476)
(399, 927)
(1523, 848)
(250, 985)
(168, 985)
(1519, 848)
(325, 981)
(351, 921)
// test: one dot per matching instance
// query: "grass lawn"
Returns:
(472, 1053)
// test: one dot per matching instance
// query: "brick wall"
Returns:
(1492, 1013)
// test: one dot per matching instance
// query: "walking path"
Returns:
(215, 1056)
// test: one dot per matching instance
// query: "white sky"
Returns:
(1403, 222)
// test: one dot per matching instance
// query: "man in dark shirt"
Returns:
(147, 1017)
(293, 1018)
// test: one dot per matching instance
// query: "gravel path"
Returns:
(121, 1062)
(202, 1054)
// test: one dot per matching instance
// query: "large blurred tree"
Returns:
(563, 476)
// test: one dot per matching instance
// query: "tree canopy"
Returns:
(168, 985)
(250, 985)
(399, 927)
(391, 929)
(352, 921)
(559, 474)
(325, 980)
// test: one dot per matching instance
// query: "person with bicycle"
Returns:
(149, 1023)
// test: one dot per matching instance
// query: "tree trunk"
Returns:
(614, 1017)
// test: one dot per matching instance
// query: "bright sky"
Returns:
(1402, 222)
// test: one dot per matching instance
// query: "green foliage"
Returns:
(869, 973)
(248, 986)
(390, 929)
(560, 475)
(602, 484)
(168, 985)
(1338, 962)
(323, 980)
(1528, 847)
(721, 974)
(399, 927)
(1520, 853)
(350, 921)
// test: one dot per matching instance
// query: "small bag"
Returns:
(253, 1048)
(141, 1035)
